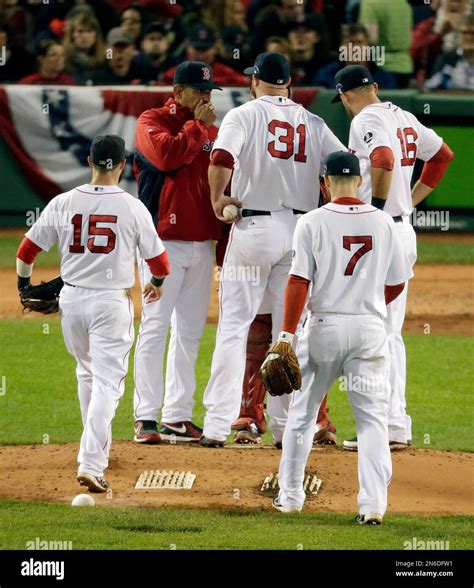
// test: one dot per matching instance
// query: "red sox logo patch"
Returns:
(206, 73)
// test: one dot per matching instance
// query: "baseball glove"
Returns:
(281, 371)
(43, 297)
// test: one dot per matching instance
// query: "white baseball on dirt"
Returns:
(230, 212)
(83, 500)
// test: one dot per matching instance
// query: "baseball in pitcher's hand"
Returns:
(221, 203)
(152, 293)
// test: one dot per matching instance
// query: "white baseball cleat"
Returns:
(93, 483)
(371, 519)
(276, 504)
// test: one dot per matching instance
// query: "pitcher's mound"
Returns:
(424, 482)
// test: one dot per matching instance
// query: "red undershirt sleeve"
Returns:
(382, 157)
(434, 169)
(392, 292)
(27, 251)
(159, 265)
(295, 300)
(223, 158)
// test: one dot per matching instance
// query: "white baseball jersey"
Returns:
(278, 149)
(349, 252)
(98, 229)
(386, 125)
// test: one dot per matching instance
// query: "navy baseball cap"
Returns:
(107, 151)
(350, 77)
(202, 36)
(195, 74)
(341, 163)
(273, 68)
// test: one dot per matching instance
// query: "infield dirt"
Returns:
(424, 482)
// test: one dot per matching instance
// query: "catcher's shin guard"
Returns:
(253, 394)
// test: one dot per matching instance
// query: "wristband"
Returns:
(378, 202)
(285, 337)
(157, 281)
(23, 283)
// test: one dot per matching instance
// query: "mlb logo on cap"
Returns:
(346, 170)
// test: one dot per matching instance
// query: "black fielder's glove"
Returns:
(43, 297)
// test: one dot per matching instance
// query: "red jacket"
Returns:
(171, 164)
(223, 75)
(61, 79)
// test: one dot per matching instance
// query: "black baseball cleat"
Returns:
(93, 483)
(207, 442)
(183, 432)
(371, 519)
(146, 433)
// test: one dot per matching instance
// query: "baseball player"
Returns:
(173, 148)
(98, 228)
(275, 149)
(351, 254)
(388, 140)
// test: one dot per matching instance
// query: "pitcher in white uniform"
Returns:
(276, 149)
(388, 140)
(98, 228)
(351, 254)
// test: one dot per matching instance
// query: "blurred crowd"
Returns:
(405, 43)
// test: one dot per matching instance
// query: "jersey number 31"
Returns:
(287, 140)
(94, 231)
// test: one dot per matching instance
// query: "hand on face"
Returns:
(205, 111)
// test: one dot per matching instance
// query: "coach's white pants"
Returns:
(355, 347)
(256, 265)
(184, 303)
(98, 331)
(399, 423)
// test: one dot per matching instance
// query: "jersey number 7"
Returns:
(347, 242)
(288, 140)
(94, 231)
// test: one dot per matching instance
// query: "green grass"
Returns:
(435, 252)
(41, 388)
(462, 253)
(142, 528)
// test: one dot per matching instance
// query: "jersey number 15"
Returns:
(94, 231)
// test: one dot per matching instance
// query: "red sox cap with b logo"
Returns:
(195, 74)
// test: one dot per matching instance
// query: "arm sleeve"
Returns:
(399, 269)
(165, 151)
(434, 169)
(232, 134)
(304, 264)
(44, 232)
(159, 265)
(295, 299)
(330, 143)
(429, 143)
(27, 251)
(223, 158)
(382, 157)
(148, 243)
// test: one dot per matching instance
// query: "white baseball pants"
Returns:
(399, 423)
(353, 346)
(98, 331)
(184, 304)
(256, 266)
